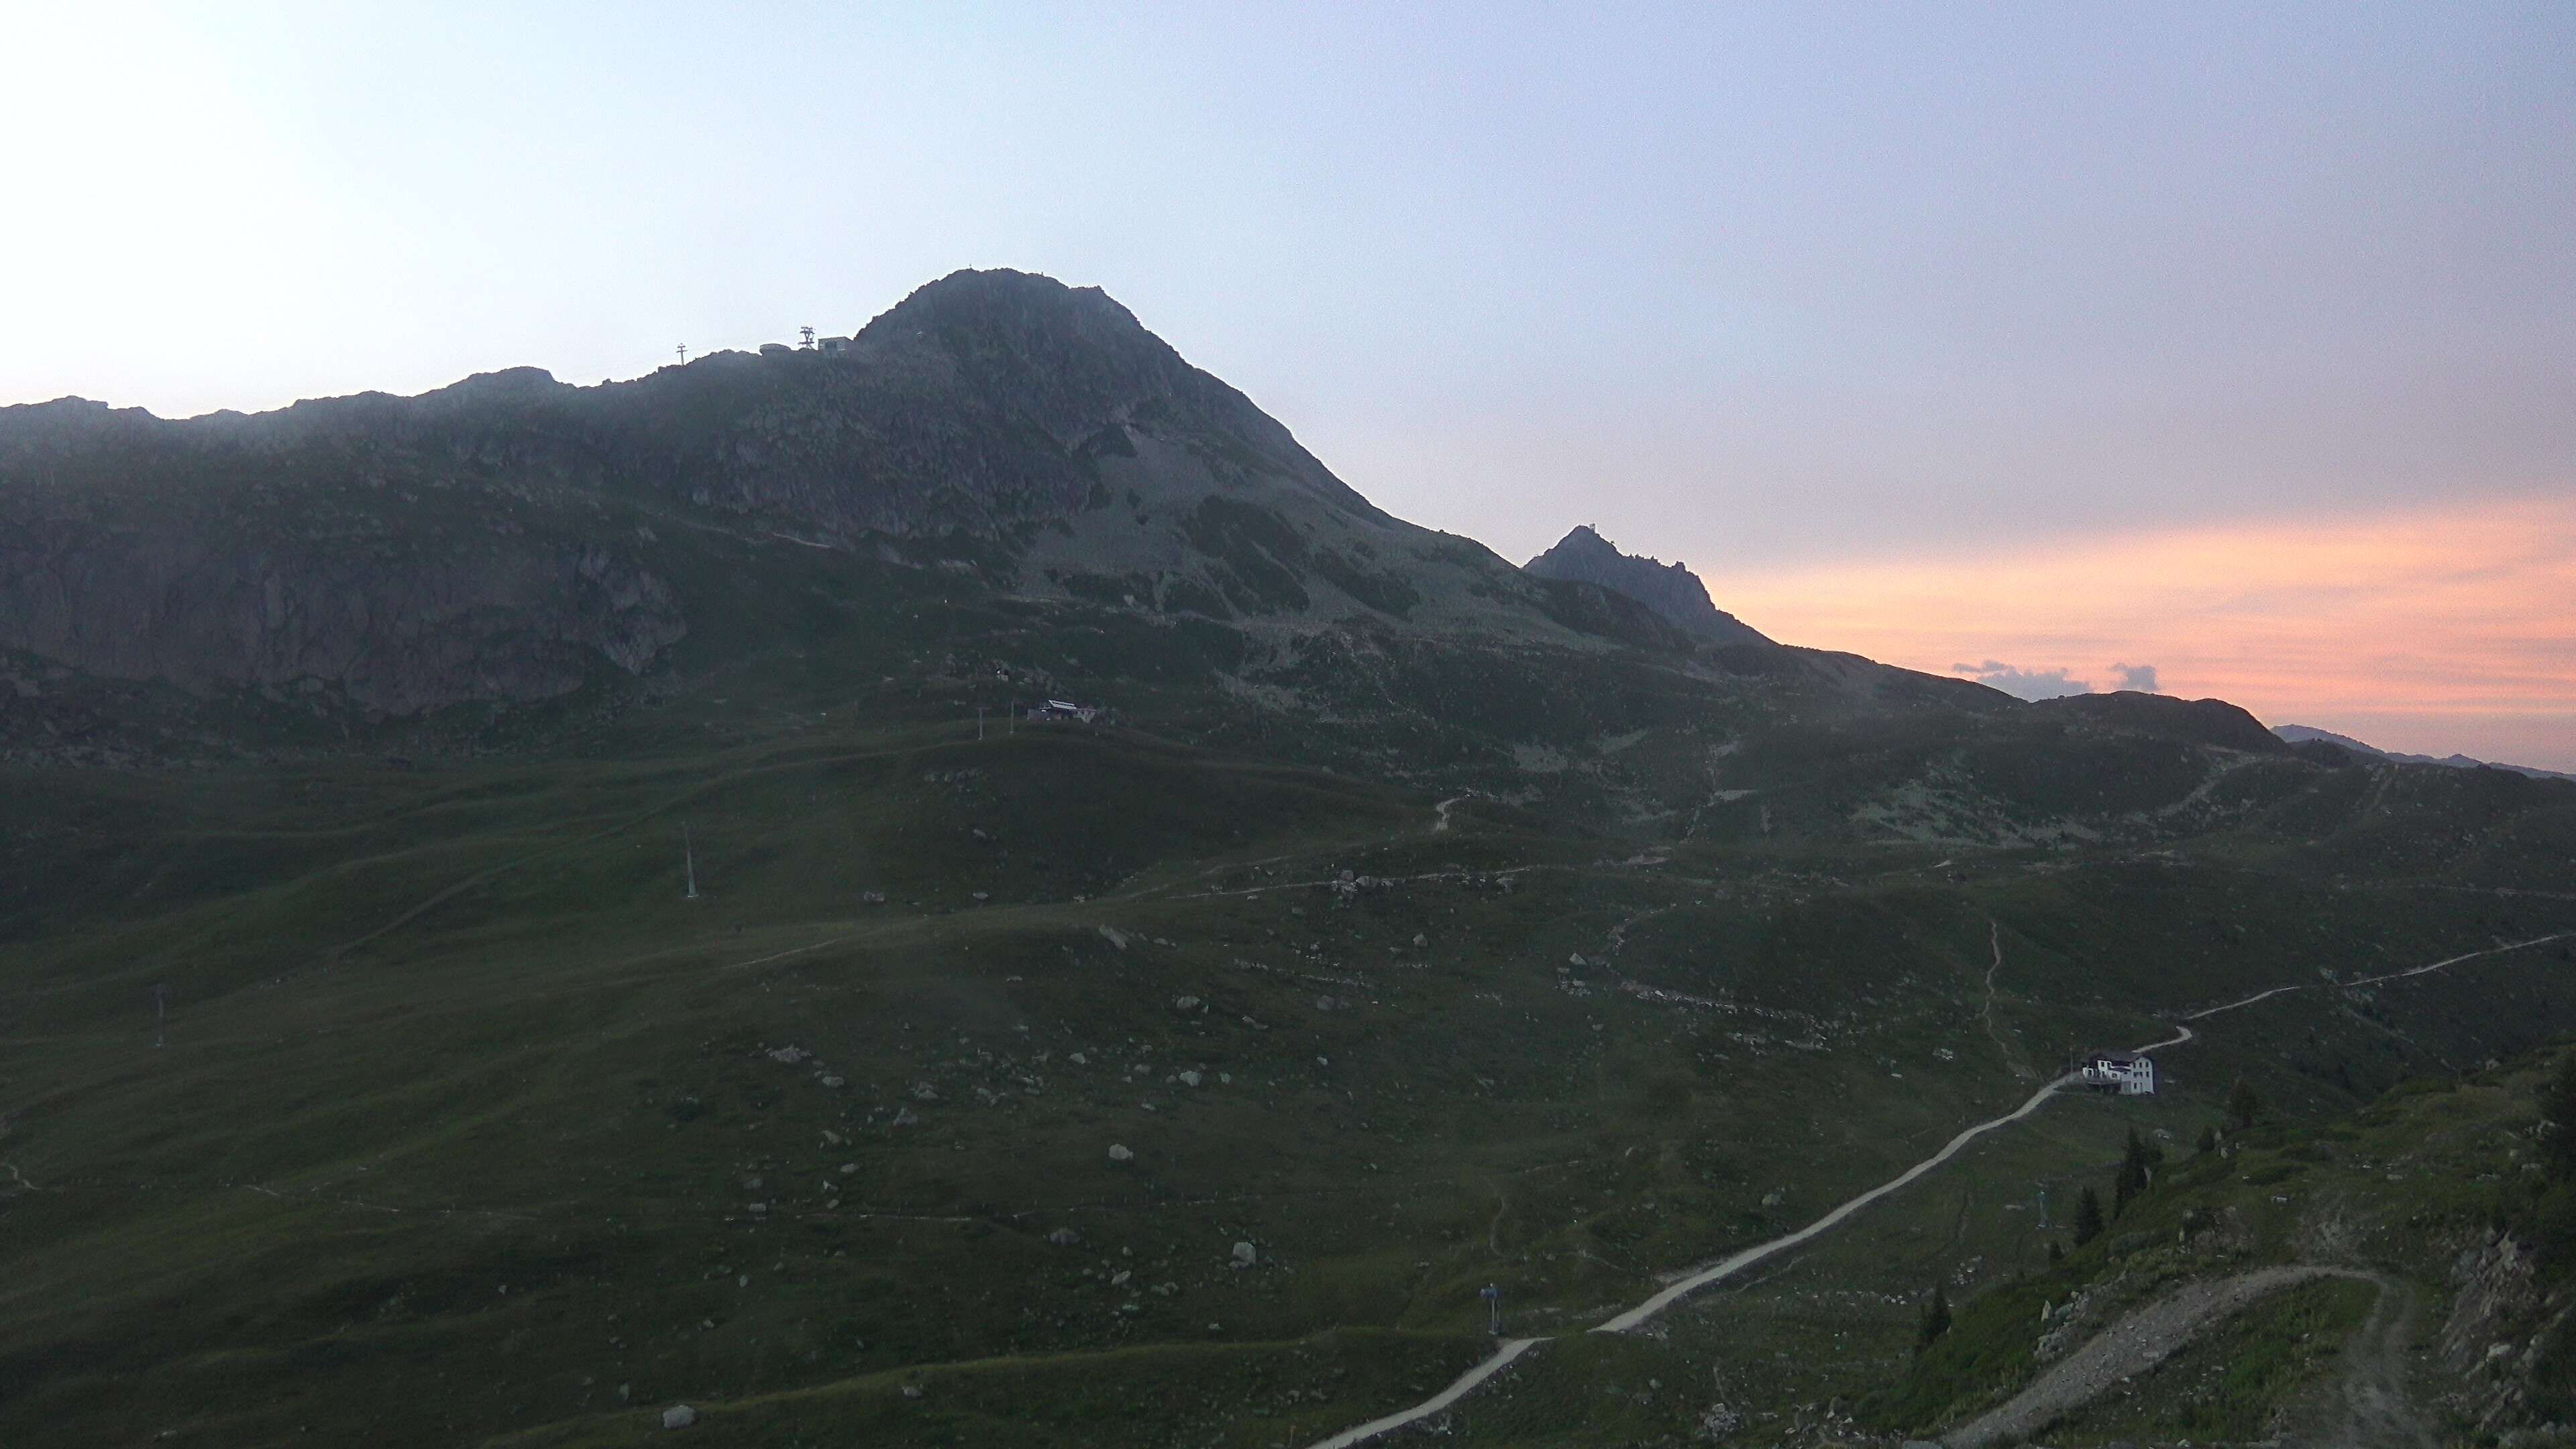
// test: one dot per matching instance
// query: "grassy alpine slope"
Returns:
(464, 1125)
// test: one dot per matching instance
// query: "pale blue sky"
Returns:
(1741, 285)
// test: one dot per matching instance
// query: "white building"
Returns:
(2126, 1073)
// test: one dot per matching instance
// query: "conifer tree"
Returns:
(2088, 1216)
(1936, 1319)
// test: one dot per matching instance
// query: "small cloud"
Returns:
(2140, 677)
(2024, 683)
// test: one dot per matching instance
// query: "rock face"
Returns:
(1669, 589)
(2497, 1331)
(112, 561)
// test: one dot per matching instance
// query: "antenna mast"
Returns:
(684, 354)
(690, 854)
(809, 335)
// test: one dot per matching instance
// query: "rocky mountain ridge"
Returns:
(1006, 489)
(511, 536)
(1671, 590)
(2301, 734)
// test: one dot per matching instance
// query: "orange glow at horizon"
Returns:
(2431, 629)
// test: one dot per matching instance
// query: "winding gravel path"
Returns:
(1466, 1384)
(2373, 1409)
(1728, 1267)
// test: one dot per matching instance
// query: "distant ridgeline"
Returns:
(2303, 734)
(1669, 589)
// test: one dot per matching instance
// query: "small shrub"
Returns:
(2558, 1116)
(2244, 1107)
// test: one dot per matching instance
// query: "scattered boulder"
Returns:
(1245, 1255)
(1118, 1153)
(872, 898)
(1185, 1003)
(833, 1082)
(904, 1118)
(1190, 1079)
(1420, 940)
(679, 1416)
(924, 1092)
(1065, 1238)
(1114, 937)
(1774, 1198)
(790, 1055)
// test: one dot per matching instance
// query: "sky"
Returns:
(2043, 343)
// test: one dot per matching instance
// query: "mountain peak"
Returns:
(1023, 311)
(1669, 589)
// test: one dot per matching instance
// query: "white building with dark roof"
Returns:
(2127, 1073)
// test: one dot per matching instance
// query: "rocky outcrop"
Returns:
(395, 630)
(2500, 1329)
(1669, 589)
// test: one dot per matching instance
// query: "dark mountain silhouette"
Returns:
(2302, 734)
(1669, 589)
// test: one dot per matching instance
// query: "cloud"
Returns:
(2140, 677)
(2025, 683)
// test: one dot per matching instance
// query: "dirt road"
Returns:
(2129, 1347)
(2371, 1408)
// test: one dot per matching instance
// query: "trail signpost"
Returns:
(1493, 1296)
